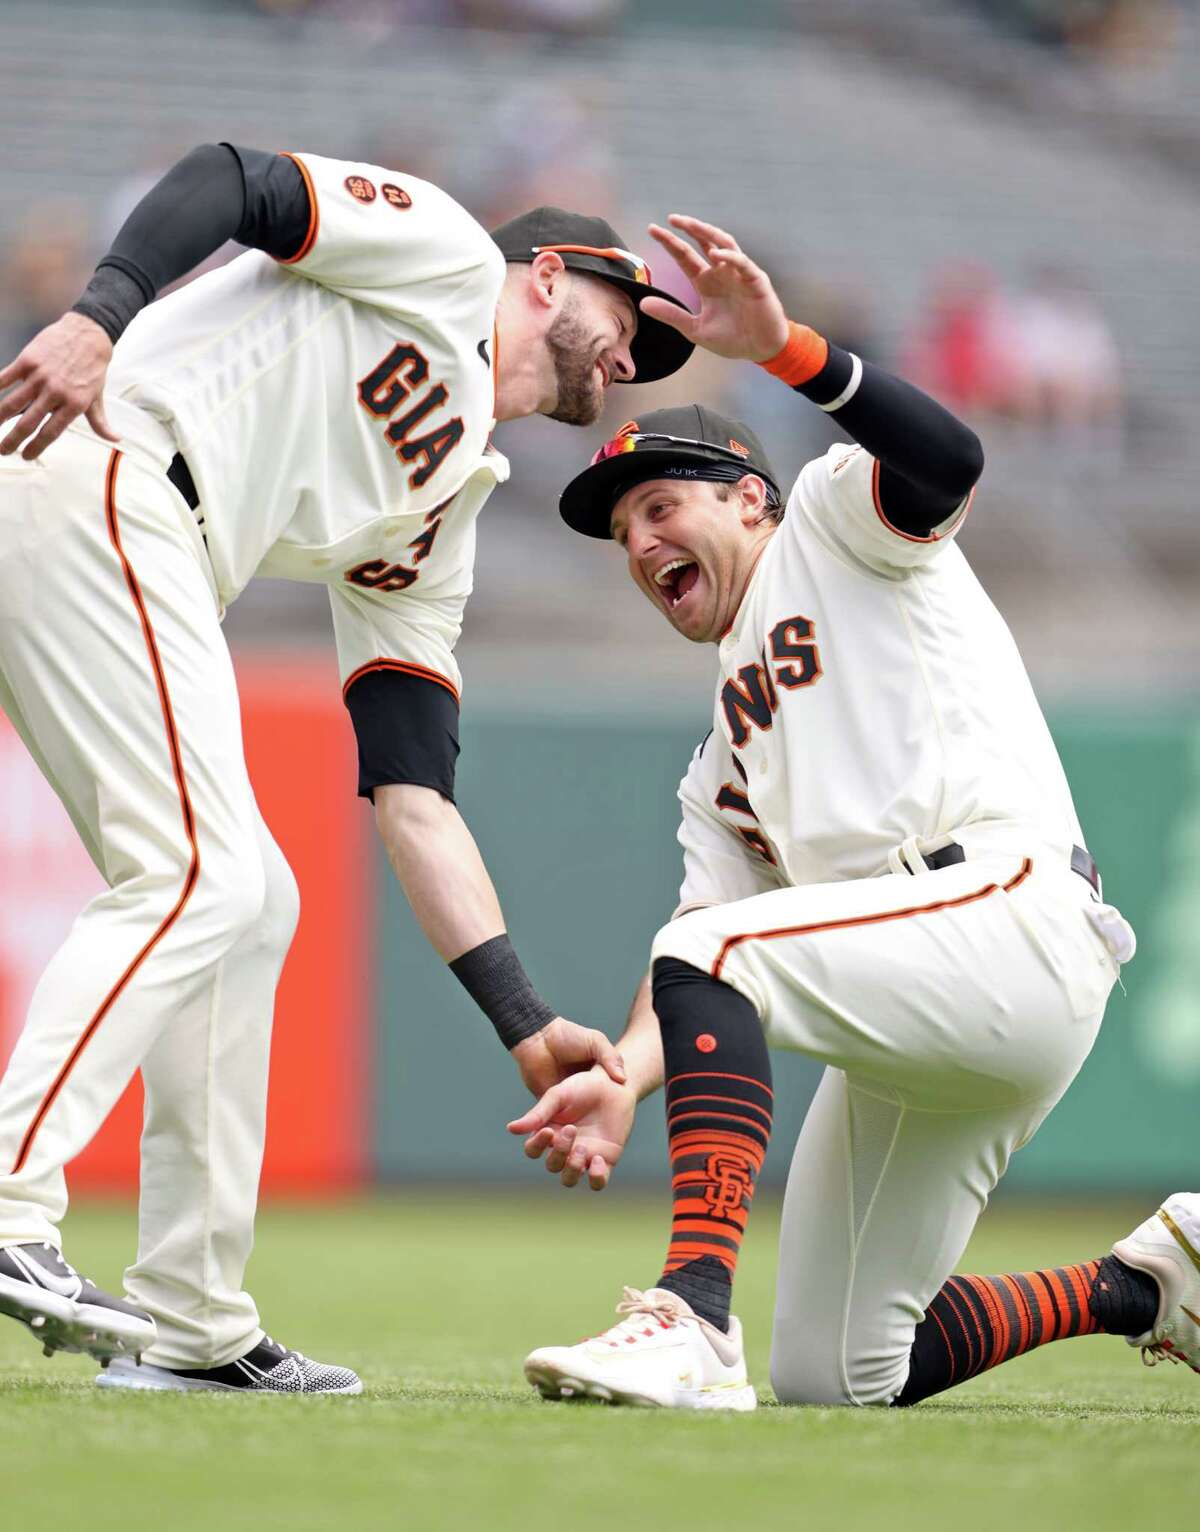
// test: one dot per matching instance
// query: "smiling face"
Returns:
(588, 341)
(692, 547)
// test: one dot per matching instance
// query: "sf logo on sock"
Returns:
(731, 1183)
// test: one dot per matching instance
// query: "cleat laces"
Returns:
(1163, 1351)
(637, 1307)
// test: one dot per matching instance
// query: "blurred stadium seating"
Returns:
(864, 151)
(997, 195)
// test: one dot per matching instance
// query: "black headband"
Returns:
(709, 473)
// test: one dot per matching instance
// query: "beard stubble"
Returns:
(580, 396)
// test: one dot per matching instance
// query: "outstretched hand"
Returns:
(58, 377)
(581, 1125)
(564, 1048)
(740, 312)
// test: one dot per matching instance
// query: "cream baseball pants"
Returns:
(951, 1009)
(114, 672)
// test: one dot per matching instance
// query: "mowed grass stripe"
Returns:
(436, 1298)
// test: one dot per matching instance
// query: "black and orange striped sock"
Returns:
(975, 1323)
(719, 1103)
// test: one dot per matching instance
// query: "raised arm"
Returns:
(214, 194)
(929, 460)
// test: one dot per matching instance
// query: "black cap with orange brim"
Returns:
(662, 444)
(594, 246)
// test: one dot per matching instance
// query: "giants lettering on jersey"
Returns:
(378, 574)
(733, 799)
(401, 376)
(750, 698)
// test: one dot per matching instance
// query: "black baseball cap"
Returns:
(592, 245)
(662, 444)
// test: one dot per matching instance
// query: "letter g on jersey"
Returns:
(402, 375)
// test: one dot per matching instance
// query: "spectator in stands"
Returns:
(962, 351)
(1069, 366)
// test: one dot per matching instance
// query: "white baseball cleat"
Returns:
(1168, 1247)
(659, 1354)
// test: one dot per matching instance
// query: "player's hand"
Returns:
(582, 1126)
(564, 1048)
(58, 377)
(740, 312)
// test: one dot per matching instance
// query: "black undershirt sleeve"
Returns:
(214, 194)
(929, 460)
(407, 731)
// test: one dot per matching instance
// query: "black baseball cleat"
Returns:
(67, 1312)
(267, 1368)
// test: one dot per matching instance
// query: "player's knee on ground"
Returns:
(810, 1367)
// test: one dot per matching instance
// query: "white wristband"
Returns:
(851, 388)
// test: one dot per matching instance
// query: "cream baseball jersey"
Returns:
(334, 410)
(869, 692)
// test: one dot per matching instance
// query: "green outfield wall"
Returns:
(576, 817)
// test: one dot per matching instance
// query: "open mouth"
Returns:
(675, 580)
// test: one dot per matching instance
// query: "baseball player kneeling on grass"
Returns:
(883, 870)
(321, 409)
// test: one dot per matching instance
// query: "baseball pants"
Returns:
(114, 671)
(952, 1010)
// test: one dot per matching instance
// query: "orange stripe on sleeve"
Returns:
(406, 668)
(314, 212)
(911, 537)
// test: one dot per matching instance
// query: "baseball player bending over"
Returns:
(883, 870)
(320, 409)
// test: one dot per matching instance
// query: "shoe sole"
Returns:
(552, 1384)
(149, 1379)
(83, 1329)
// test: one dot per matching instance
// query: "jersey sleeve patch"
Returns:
(357, 246)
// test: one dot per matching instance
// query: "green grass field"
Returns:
(435, 1299)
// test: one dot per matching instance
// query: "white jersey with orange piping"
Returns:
(335, 410)
(869, 692)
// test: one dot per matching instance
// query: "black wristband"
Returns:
(112, 298)
(493, 977)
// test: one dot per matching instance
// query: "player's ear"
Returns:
(547, 280)
(753, 493)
